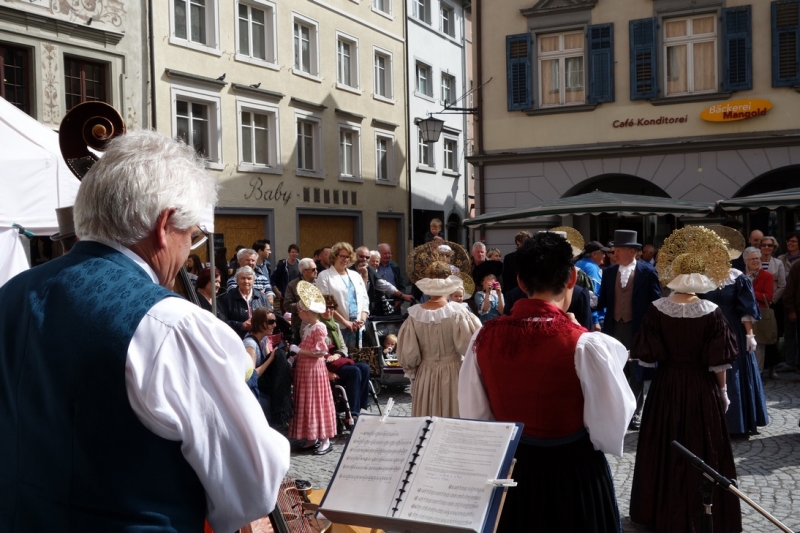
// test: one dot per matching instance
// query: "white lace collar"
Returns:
(690, 310)
(420, 314)
(732, 275)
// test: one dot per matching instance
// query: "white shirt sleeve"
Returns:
(608, 403)
(473, 401)
(385, 287)
(185, 378)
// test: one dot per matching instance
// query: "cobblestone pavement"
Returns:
(768, 464)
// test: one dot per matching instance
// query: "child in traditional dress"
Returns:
(315, 415)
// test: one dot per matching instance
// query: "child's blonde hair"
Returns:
(391, 337)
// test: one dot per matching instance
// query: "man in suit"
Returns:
(510, 263)
(626, 291)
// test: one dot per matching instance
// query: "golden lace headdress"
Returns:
(425, 254)
(311, 298)
(574, 238)
(733, 239)
(693, 259)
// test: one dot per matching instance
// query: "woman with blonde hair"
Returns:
(348, 289)
(432, 341)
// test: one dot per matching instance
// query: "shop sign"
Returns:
(258, 191)
(736, 110)
(660, 121)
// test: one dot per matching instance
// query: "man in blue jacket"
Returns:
(626, 291)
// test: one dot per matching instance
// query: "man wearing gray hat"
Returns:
(627, 289)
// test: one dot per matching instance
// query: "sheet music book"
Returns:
(420, 474)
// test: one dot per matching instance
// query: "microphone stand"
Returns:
(712, 478)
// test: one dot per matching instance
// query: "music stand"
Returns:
(712, 478)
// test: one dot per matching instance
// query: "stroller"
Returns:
(385, 372)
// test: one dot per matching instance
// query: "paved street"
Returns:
(768, 464)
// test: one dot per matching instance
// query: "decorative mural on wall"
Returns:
(106, 11)
(51, 110)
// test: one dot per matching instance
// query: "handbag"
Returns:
(335, 365)
(766, 329)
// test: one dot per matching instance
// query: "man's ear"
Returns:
(162, 226)
(522, 286)
(573, 278)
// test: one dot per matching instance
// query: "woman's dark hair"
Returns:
(544, 263)
(204, 277)
(197, 265)
(259, 319)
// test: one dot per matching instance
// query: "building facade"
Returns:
(299, 108)
(54, 55)
(688, 99)
(438, 77)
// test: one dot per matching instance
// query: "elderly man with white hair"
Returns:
(123, 406)
(308, 272)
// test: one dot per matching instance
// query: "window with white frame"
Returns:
(384, 6)
(690, 54)
(421, 10)
(561, 75)
(196, 120)
(305, 36)
(424, 152)
(308, 145)
(347, 61)
(349, 152)
(258, 136)
(194, 21)
(450, 147)
(447, 20)
(384, 157)
(424, 83)
(448, 88)
(256, 30)
(383, 74)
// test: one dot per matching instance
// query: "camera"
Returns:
(495, 285)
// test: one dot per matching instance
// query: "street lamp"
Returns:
(430, 129)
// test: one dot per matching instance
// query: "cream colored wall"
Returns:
(237, 187)
(504, 130)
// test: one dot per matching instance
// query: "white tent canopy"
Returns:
(35, 180)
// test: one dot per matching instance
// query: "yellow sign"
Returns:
(736, 110)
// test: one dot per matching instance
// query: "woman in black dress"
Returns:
(690, 340)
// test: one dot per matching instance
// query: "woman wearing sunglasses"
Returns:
(270, 363)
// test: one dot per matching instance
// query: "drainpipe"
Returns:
(409, 125)
(464, 126)
(152, 65)
(478, 44)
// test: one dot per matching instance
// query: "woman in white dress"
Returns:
(431, 344)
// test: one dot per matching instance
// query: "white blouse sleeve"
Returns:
(608, 401)
(473, 401)
(185, 378)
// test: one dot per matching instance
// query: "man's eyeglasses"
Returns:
(199, 238)
(611, 252)
(312, 269)
(365, 257)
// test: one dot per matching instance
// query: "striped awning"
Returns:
(596, 203)
(767, 200)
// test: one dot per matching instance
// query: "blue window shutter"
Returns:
(644, 63)
(785, 43)
(601, 63)
(737, 54)
(518, 70)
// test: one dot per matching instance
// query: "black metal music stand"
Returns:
(712, 478)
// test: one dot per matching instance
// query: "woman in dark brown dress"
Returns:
(690, 341)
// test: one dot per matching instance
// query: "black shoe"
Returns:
(325, 451)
